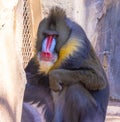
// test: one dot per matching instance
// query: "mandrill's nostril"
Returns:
(47, 56)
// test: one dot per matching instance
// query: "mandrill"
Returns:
(65, 73)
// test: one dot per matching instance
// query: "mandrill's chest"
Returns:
(45, 66)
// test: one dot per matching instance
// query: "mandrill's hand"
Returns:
(55, 81)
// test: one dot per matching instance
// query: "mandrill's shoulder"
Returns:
(76, 30)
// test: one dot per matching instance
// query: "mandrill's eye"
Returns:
(50, 33)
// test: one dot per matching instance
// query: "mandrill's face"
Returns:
(47, 55)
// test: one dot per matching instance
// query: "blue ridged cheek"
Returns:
(52, 46)
(44, 43)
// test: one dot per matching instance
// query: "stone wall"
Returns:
(12, 77)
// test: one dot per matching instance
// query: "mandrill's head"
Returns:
(52, 34)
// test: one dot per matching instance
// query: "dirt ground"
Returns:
(113, 112)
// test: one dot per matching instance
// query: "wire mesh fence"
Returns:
(27, 33)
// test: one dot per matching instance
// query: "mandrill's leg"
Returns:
(80, 106)
(76, 104)
(59, 101)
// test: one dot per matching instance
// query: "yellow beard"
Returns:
(45, 66)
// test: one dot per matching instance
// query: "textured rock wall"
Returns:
(108, 45)
(12, 78)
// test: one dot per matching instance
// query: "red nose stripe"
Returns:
(49, 41)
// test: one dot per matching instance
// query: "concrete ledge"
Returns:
(113, 112)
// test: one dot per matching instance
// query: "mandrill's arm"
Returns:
(91, 75)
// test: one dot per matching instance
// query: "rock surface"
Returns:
(113, 112)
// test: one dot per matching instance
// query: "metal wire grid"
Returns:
(27, 33)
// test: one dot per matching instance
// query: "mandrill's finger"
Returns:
(55, 86)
